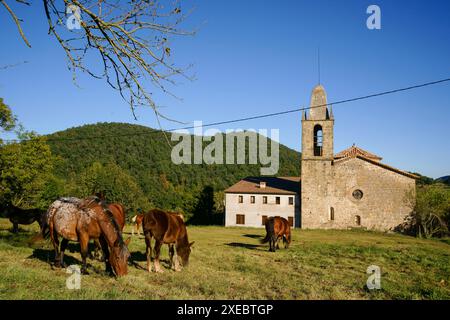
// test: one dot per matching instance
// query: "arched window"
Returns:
(331, 213)
(318, 140)
(358, 220)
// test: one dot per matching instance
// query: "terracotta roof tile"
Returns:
(354, 151)
(274, 185)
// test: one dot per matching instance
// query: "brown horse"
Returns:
(137, 220)
(81, 220)
(118, 213)
(21, 216)
(277, 228)
(170, 229)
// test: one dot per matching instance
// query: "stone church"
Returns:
(352, 188)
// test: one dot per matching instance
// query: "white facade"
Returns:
(253, 212)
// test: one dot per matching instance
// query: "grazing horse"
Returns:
(21, 216)
(276, 228)
(166, 228)
(80, 220)
(118, 213)
(137, 220)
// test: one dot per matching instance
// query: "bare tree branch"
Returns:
(131, 39)
(16, 20)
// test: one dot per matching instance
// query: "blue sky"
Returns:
(252, 57)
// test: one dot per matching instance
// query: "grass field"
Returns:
(229, 263)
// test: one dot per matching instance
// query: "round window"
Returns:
(357, 194)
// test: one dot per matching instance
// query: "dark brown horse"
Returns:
(166, 228)
(21, 216)
(81, 220)
(277, 228)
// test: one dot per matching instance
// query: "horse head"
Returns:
(183, 251)
(118, 257)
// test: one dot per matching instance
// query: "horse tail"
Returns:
(270, 230)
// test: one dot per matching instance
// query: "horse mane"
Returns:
(110, 217)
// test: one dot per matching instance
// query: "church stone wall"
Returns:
(385, 203)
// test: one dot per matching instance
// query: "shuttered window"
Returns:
(291, 221)
(240, 219)
(263, 220)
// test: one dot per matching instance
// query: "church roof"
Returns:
(274, 185)
(354, 151)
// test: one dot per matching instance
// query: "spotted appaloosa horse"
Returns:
(277, 228)
(166, 228)
(21, 216)
(80, 220)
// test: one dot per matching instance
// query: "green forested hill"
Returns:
(145, 155)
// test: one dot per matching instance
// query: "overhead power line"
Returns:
(261, 116)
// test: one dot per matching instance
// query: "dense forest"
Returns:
(132, 164)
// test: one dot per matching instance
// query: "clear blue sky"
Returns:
(253, 57)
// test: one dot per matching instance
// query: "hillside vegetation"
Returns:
(143, 155)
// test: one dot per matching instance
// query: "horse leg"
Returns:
(55, 242)
(84, 250)
(15, 227)
(174, 265)
(272, 243)
(288, 240)
(64, 243)
(105, 250)
(158, 245)
(278, 242)
(98, 250)
(148, 250)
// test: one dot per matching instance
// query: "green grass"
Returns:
(229, 263)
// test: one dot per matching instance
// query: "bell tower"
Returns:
(317, 160)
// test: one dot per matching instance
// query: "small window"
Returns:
(291, 201)
(277, 200)
(264, 199)
(291, 221)
(240, 219)
(358, 220)
(357, 194)
(241, 199)
(263, 220)
(331, 213)
(252, 199)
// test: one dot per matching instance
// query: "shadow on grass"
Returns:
(253, 236)
(246, 246)
(48, 256)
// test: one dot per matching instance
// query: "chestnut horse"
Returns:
(118, 213)
(21, 216)
(166, 228)
(137, 220)
(276, 228)
(81, 220)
